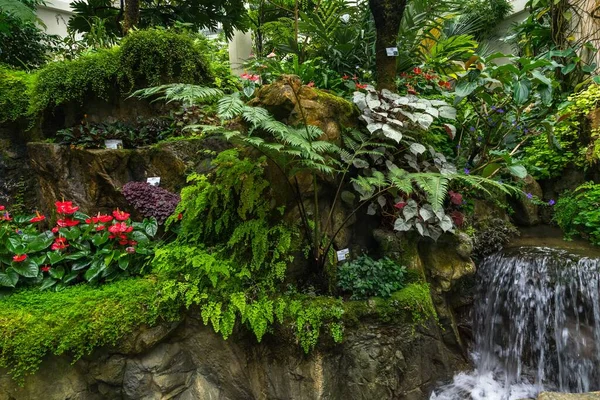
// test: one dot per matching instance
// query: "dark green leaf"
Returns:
(57, 272)
(27, 268)
(521, 90)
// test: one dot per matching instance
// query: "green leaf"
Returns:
(72, 234)
(490, 169)
(151, 227)
(96, 269)
(48, 283)
(100, 239)
(568, 68)
(124, 262)
(81, 264)
(139, 237)
(57, 273)
(78, 255)
(15, 246)
(465, 88)
(70, 276)
(9, 279)
(521, 90)
(42, 242)
(55, 257)
(27, 268)
(518, 170)
(545, 92)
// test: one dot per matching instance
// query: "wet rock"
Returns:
(569, 396)
(93, 178)
(526, 212)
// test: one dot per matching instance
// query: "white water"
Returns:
(536, 325)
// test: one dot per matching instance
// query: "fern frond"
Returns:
(230, 107)
(434, 185)
(180, 92)
(255, 115)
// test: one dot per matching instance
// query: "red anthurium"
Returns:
(67, 222)
(120, 227)
(254, 78)
(361, 85)
(345, 77)
(2, 208)
(400, 205)
(104, 218)
(60, 243)
(65, 207)
(100, 228)
(45, 268)
(38, 217)
(19, 257)
(120, 215)
(55, 229)
(417, 70)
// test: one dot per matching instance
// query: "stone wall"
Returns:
(189, 361)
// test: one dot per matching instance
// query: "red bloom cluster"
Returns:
(250, 77)
(120, 215)
(60, 243)
(19, 257)
(65, 207)
(45, 268)
(67, 222)
(99, 218)
(119, 231)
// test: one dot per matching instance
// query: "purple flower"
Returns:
(551, 202)
(467, 171)
(500, 111)
(479, 138)
(472, 129)
(493, 108)
(458, 146)
(529, 196)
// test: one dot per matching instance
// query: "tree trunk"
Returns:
(132, 15)
(387, 15)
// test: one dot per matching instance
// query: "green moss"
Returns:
(76, 320)
(14, 94)
(346, 109)
(144, 58)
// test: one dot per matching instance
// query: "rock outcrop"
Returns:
(93, 178)
(569, 396)
(375, 361)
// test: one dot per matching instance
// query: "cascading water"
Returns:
(537, 327)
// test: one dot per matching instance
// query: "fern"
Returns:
(186, 94)
(230, 107)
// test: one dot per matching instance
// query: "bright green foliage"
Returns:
(76, 320)
(365, 277)
(144, 58)
(577, 212)
(14, 94)
(550, 157)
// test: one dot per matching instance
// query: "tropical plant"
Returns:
(79, 247)
(577, 212)
(365, 277)
(151, 201)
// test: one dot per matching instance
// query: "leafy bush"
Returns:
(365, 277)
(78, 248)
(77, 320)
(491, 235)
(92, 135)
(14, 94)
(151, 201)
(144, 58)
(577, 212)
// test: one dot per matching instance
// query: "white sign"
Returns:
(154, 180)
(391, 51)
(342, 254)
(113, 144)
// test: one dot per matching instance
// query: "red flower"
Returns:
(65, 207)
(120, 227)
(123, 242)
(67, 222)
(361, 85)
(445, 84)
(133, 243)
(60, 243)
(55, 229)
(2, 208)
(130, 250)
(19, 257)
(45, 268)
(311, 84)
(417, 70)
(254, 78)
(38, 218)
(345, 77)
(429, 77)
(354, 77)
(245, 76)
(6, 217)
(458, 218)
(410, 89)
(455, 198)
(400, 205)
(120, 215)
(180, 216)
(100, 228)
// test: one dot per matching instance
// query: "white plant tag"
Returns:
(113, 144)
(153, 180)
(391, 51)
(342, 254)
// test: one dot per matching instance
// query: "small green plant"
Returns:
(577, 212)
(365, 277)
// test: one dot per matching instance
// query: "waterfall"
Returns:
(536, 325)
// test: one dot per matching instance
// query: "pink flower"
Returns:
(271, 55)
(400, 205)
(254, 78)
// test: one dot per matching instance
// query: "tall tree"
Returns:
(132, 14)
(387, 15)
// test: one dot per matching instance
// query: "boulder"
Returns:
(569, 396)
(375, 361)
(526, 212)
(93, 178)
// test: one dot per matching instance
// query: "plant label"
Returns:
(342, 254)
(153, 180)
(391, 51)
(113, 144)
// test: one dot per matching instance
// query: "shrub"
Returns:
(14, 94)
(577, 212)
(79, 248)
(491, 235)
(151, 201)
(365, 277)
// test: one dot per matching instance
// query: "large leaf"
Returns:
(26, 268)
(151, 227)
(518, 170)
(392, 133)
(95, 270)
(465, 88)
(9, 278)
(521, 90)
